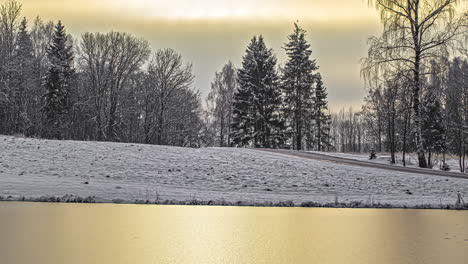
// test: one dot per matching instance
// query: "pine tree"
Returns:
(256, 117)
(297, 84)
(321, 117)
(57, 83)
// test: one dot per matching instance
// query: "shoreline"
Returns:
(71, 199)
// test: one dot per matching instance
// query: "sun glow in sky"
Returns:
(321, 10)
(244, 9)
(209, 33)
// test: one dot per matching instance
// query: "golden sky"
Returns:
(319, 10)
(208, 33)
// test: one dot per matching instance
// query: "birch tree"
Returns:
(219, 103)
(414, 32)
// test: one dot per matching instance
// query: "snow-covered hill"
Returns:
(108, 171)
(411, 159)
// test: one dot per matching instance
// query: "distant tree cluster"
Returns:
(99, 87)
(261, 105)
(386, 121)
(417, 87)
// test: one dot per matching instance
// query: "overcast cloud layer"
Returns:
(209, 33)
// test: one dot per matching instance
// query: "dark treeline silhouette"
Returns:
(105, 87)
(112, 87)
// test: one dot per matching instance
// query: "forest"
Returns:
(417, 85)
(113, 87)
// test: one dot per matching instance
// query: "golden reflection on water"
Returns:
(66, 233)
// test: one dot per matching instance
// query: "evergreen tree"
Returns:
(433, 130)
(321, 117)
(22, 77)
(456, 105)
(24, 52)
(57, 83)
(242, 120)
(257, 102)
(297, 83)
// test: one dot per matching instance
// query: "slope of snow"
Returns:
(34, 168)
(411, 159)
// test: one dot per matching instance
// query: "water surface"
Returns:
(68, 233)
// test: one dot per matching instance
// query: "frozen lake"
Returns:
(39, 233)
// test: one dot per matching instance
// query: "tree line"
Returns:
(102, 86)
(416, 74)
(112, 87)
(386, 121)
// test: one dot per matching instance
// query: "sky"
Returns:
(209, 33)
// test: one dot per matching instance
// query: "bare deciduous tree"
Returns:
(10, 12)
(219, 103)
(167, 78)
(108, 60)
(415, 32)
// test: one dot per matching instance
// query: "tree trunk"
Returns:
(298, 128)
(405, 139)
(221, 134)
(393, 145)
(417, 112)
(429, 158)
(112, 119)
(160, 124)
(379, 121)
(319, 134)
(463, 167)
(147, 126)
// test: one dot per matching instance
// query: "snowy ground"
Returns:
(411, 159)
(34, 168)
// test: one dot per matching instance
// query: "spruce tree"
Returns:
(433, 129)
(321, 117)
(57, 83)
(22, 77)
(257, 102)
(297, 84)
(242, 121)
(24, 51)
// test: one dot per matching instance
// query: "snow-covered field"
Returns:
(34, 168)
(411, 159)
